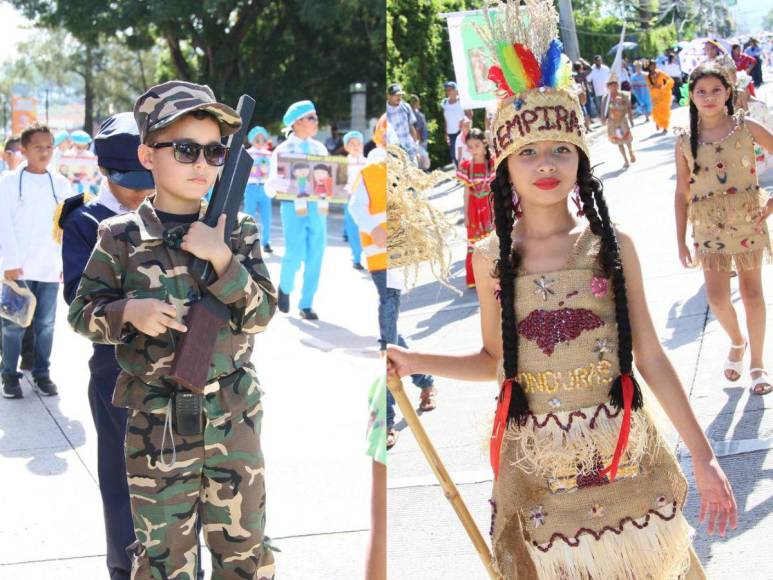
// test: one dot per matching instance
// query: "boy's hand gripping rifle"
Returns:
(208, 316)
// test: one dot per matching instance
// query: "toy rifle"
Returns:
(208, 316)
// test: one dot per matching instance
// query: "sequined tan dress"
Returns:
(725, 197)
(553, 515)
(618, 129)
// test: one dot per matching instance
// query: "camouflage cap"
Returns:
(163, 104)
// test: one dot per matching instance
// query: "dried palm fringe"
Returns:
(658, 551)
(734, 262)
(708, 210)
(551, 452)
(417, 232)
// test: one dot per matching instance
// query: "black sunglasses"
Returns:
(188, 152)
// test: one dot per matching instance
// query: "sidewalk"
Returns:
(427, 540)
(315, 377)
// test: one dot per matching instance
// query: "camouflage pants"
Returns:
(217, 476)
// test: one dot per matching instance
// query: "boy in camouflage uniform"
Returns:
(135, 293)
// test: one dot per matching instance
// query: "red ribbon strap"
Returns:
(625, 428)
(500, 425)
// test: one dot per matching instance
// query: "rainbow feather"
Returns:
(512, 68)
(565, 73)
(551, 63)
(496, 76)
(530, 65)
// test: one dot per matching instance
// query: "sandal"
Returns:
(735, 366)
(427, 402)
(760, 385)
(391, 438)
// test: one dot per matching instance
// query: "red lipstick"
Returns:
(547, 183)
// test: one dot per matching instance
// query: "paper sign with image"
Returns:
(82, 171)
(260, 164)
(470, 57)
(313, 177)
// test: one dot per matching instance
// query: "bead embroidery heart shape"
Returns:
(549, 327)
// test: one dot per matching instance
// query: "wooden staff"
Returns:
(449, 488)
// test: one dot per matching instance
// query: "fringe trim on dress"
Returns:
(573, 442)
(717, 262)
(655, 546)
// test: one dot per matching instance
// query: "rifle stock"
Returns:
(208, 316)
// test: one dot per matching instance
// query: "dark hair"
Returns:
(591, 193)
(12, 143)
(26, 135)
(298, 166)
(701, 72)
(323, 167)
(476, 133)
(738, 46)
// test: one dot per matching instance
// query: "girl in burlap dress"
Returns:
(475, 174)
(585, 488)
(718, 193)
(619, 118)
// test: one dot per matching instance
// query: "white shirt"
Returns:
(672, 69)
(310, 146)
(599, 77)
(356, 163)
(462, 151)
(454, 114)
(27, 222)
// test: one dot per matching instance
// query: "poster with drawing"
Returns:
(313, 177)
(260, 163)
(82, 171)
(470, 57)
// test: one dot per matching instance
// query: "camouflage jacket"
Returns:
(137, 257)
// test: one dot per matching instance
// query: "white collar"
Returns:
(105, 197)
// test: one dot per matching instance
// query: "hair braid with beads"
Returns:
(506, 268)
(591, 194)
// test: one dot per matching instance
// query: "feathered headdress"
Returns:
(532, 75)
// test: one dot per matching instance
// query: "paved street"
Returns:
(425, 538)
(315, 377)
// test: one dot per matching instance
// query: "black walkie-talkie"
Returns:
(187, 418)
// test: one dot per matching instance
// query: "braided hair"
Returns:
(703, 71)
(591, 193)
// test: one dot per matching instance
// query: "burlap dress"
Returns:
(553, 515)
(618, 129)
(725, 197)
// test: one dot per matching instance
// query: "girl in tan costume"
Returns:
(584, 486)
(718, 193)
(619, 114)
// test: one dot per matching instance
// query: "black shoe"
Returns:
(283, 302)
(357, 266)
(308, 314)
(345, 238)
(44, 386)
(26, 365)
(268, 249)
(11, 388)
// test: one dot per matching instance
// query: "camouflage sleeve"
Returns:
(97, 310)
(245, 285)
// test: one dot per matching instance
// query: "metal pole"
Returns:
(568, 29)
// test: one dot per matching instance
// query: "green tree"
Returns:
(278, 51)
(419, 57)
(107, 76)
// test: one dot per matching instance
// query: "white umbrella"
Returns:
(694, 53)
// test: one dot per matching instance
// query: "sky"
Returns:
(13, 30)
(750, 13)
